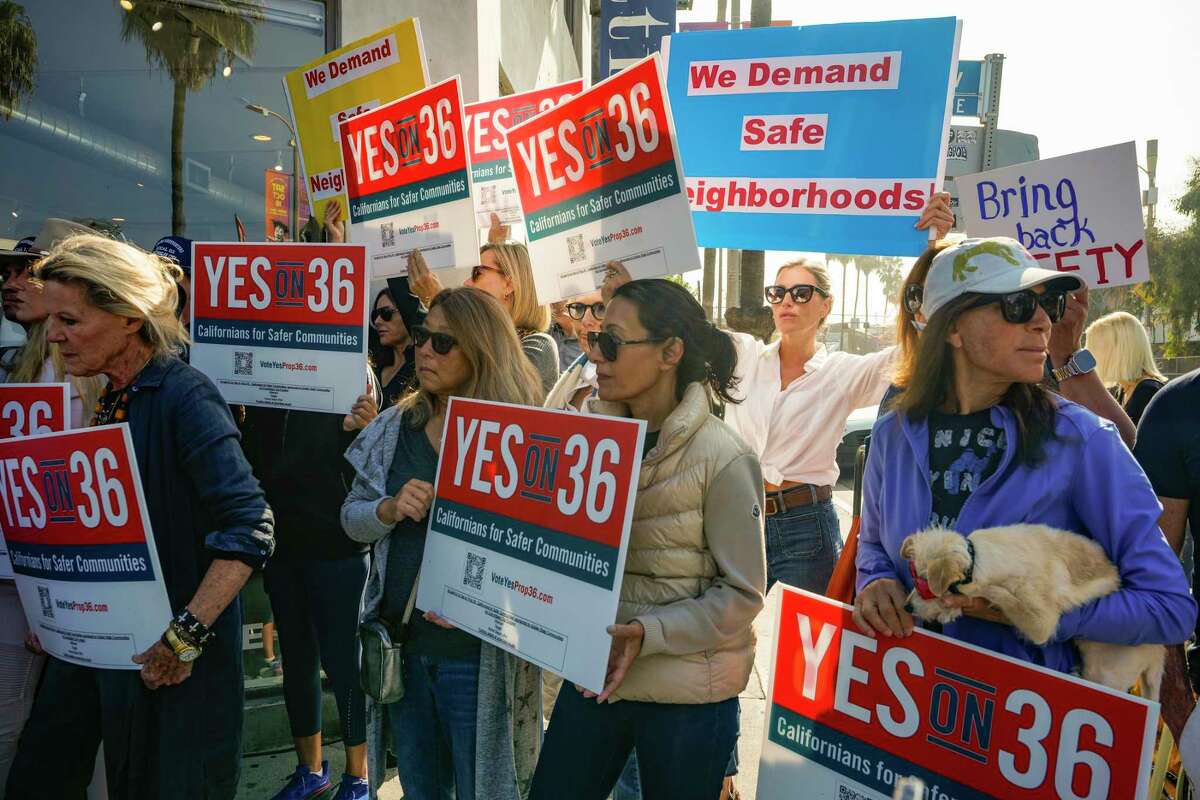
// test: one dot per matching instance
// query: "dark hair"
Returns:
(667, 310)
(379, 355)
(927, 375)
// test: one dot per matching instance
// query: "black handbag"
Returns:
(381, 671)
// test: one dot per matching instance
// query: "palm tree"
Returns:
(844, 261)
(18, 56)
(189, 43)
(890, 278)
(868, 265)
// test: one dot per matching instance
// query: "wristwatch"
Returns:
(184, 650)
(1080, 363)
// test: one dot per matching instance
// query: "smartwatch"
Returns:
(1080, 363)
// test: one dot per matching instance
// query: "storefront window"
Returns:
(137, 121)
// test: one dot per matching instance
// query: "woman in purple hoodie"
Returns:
(975, 442)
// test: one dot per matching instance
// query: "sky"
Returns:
(1078, 75)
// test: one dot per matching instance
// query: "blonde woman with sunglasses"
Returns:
(505, 273)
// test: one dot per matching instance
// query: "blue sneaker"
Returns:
(352, 788)
(305, 784)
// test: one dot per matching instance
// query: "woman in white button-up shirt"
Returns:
(796, 398)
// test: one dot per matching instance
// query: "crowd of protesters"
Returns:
(991, 412)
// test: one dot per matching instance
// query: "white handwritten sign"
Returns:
(1078, 213)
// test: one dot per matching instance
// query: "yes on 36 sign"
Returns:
(528, 531)
(599, 180)
(281, 325)
(852, 714)
(81, 546)
(487, 122)
(30, 409)
(409, 182)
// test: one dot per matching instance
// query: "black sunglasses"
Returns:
(1019, 307)
(610, 345)
(578, 310)
(914, 295)
(801, 293)
(478, 270)
(442, 342)
(386, 313)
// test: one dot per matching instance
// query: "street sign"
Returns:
(630, 30)
(968, 88)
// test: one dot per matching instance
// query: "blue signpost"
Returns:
(630, 30)
(968, 88)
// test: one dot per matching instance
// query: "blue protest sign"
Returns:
(968, 88)
(825, 138)
(630, 30)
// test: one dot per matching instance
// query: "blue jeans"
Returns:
(433, 728)
(803, 545)
(317, 605)
(682, 749)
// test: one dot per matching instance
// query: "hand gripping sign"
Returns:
(363, 75)
(281, 325)
(31, 409)
(528, 531)
(410, 181)
(599, 180)
(487, 123)
(79, 536)
(1080, 213)
(849, 715)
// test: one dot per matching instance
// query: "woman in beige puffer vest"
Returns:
(695, 571)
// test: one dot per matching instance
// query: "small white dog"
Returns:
(1033, 574)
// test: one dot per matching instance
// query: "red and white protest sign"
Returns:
(528, 531)
(850, 715)
(409, 181)
(1080, 213)
(487, 123)
(281, 325)
(599, 180)
(31, 409)
(82, 551)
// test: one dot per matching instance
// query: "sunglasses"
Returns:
(914, 295)
(801, 293)
(578, 310)
(386, 314)
(478, 270)
(443, 343)
(1019, 307)
(610, 345)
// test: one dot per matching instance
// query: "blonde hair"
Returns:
(1122, 349)
(513, 259)
(124, 280)
(32, 360)
(820, 275)
(500, 371)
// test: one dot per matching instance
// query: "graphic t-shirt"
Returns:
(964, 450)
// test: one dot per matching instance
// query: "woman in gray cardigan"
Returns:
(470, 718)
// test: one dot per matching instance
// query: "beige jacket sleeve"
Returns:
(733, 526)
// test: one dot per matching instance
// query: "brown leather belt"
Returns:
(796, 497)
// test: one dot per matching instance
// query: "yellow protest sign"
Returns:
(364, 74)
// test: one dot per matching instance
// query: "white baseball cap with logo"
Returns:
(996, 265)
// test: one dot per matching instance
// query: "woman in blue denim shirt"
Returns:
(172, 729)
(976, 442)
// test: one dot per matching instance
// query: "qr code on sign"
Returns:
(473, 574)
(387, 234)
(47, 606)
(846, 793)
(575, 248)
(243, 363)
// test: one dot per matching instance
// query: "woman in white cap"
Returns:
(975, 441)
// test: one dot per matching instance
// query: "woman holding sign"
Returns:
(976, 442)
(469, 722)
(505, 273)
(172, 729)
(695, 573)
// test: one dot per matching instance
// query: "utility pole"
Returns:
(752, 262)
(1150, 196)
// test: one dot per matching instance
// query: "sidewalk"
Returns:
(262, 776)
